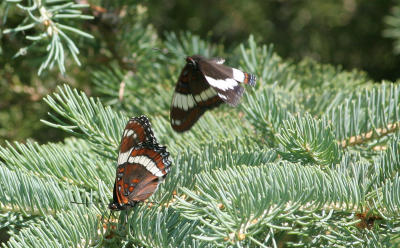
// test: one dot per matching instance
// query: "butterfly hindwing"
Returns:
(225, 80)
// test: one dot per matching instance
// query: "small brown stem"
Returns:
(365, 137)
(122, 85)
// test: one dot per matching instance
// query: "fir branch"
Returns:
(372, 115)
(266, 111)
(108, 81)
(206, 130)
(137, 99)
(171, 229)
(263, 62)
(392, 22)
(388, 163)
(209, 157)
(230, 189)
(320, 88)
(100, 125)
(255, 199)
(72, 166)
(314, 78)
(47, 16)
(25, 193)
(391, 196)
(365, 137)
(308, 140)
(186, 44)
(75, 228)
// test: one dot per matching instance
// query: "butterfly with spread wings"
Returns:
(205, 84)
(142, 165)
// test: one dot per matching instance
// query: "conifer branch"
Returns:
(266, 111)
(388, 163)
(21, 192)
(76, 228)
(187, 44)
(392, 22)
(48, 16)
(371, 115)
(70, 165)
(390, 194)
(265, 204)
(89, 119)
(308, 140)
(263, 62)
(365, 137)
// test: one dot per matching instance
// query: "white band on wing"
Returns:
(222, 84)
(149, 164)
(238, 75)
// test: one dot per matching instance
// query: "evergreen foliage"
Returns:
(49, 15)
(310, 158)
(393, 26)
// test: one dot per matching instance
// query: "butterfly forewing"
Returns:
(203, 85)
(192, 97)
(137, 131)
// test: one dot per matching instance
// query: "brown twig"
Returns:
(365, 137)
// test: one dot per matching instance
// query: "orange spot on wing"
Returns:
(135, 180)
(246, 78)
(160, 165)
(151, 154)
(131, 188)
(120, 197)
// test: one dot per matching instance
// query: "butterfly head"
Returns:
(117, 207)
(191, 61)
(113, 206)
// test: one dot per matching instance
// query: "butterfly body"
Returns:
(203, 85)
(142, 165)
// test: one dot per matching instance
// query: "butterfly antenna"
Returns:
(87, 203)
(82, 203)
(168, 53)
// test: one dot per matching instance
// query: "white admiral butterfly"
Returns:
(142, 165)
(202, 85)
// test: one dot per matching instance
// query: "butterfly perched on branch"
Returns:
(205, 84)
(142, 165)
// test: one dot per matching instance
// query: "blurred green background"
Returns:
(345, 32)
(350, 33)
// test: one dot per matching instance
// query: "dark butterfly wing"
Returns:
(192, 97)
(225, 80)
(205, 84)
(141, 167)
